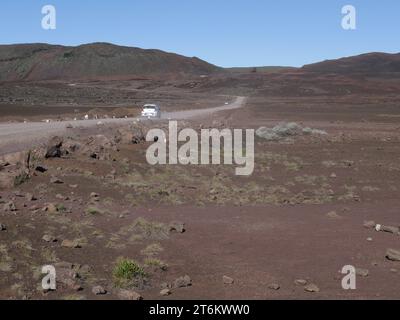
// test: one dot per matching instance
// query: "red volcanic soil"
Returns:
(300, 215)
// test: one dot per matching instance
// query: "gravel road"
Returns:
(16, 137)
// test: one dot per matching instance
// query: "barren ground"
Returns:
(299, 216)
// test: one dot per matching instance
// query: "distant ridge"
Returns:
(91, 61)
(369, 63)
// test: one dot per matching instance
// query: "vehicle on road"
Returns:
(151, 111)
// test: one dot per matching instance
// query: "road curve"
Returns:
(16, 137)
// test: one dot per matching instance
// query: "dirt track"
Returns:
(16, 137)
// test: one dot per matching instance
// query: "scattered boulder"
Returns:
(49, 238)
(311, 288)
(333, 215)
(227, 280)
(137, 135)
(56, 180)
(71, 244)
(300, 282)
(50, 208)
(390, 229)
(99, 290)
(30, 197)
(54, 148)
(98, 147)
(41, 169)
(165, 292)
(274, 286)
(393, 255)
(129, 295)
(182, 282)
(362, 272)
(67, 276)
(177, 226)
(9, 207)
(95, 196)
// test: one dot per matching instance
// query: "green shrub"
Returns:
(126, 271)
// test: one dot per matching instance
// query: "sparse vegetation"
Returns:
(21, 179)
(93, 211)
(127, 271)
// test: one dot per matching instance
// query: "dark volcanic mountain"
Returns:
(91, 61)
(370, 63)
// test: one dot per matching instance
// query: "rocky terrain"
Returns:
(324, 192)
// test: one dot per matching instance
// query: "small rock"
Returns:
(129, 295)
(30, 197)
(177, 227)
(9, 206)
(369, 239)
(3, 227)
(165, 285)
(394, 270)
(300, 282)
(50, 208)
(70, 244)
(369, 224)
(94, 196)
(49, 238)
(311, 288)
(333, 215)
(165, 292)
(227, 280)
(73, 186)
(41, 169)
(378, 227)
(182, 282)
(362, 272)
(53, 148)
(99, 290)
(390, 229)
(393, 255)
(274, 286)
(56, 180)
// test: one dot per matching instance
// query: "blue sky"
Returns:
(226, 33)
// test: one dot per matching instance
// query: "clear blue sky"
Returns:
(223, 32)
